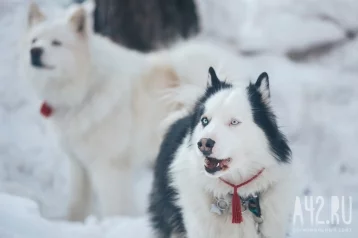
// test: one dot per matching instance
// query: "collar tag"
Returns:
(236, 201)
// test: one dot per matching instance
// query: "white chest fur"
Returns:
(195, 199)
(201, 222)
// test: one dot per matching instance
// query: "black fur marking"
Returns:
(266, 120)
(215, 82)
(263, 77)
(216, 86)
(166, 217)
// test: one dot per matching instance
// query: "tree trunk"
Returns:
(146, 25)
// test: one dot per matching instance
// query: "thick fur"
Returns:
(183, 191)
(103, 98)
(111, 105)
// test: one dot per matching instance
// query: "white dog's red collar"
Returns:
(46, 110)
(236, 201)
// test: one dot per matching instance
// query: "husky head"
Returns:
(57, 55)
(235, 130)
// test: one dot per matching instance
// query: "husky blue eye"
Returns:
(204, 121)
(234, 122)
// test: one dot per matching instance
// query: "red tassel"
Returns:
(236, 202)
(236, 208)
(46, 110)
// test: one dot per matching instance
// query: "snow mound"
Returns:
(20, 218)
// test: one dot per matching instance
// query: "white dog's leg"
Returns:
(113, 186)
(80, 194)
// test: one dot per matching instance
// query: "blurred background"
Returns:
(309, 47)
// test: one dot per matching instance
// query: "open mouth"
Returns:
(213, 165)
(36, 63)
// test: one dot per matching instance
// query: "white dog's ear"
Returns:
(35, 15)
(78, 21)
(89, 6)
(263, 86)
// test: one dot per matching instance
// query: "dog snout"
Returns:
(36, 53)
(206, 146)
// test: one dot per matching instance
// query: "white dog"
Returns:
(224, 170)
(108, 103)
(100, 97)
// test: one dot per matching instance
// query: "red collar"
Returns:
(46, 110)
(236, 202)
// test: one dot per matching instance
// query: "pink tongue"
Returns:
(224, 162)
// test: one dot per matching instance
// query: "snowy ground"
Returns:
(308, 47)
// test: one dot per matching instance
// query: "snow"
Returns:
(21, 218)
(304, 45)
(279, 26)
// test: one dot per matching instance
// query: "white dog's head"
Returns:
(57, 56)
(234, 129)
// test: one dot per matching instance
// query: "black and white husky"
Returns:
(224, 170)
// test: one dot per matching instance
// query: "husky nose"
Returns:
(206, 146)
(36, 53)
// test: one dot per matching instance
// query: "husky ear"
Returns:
(215, 82)
(35, 15)
(78, 21)
(263, 86)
